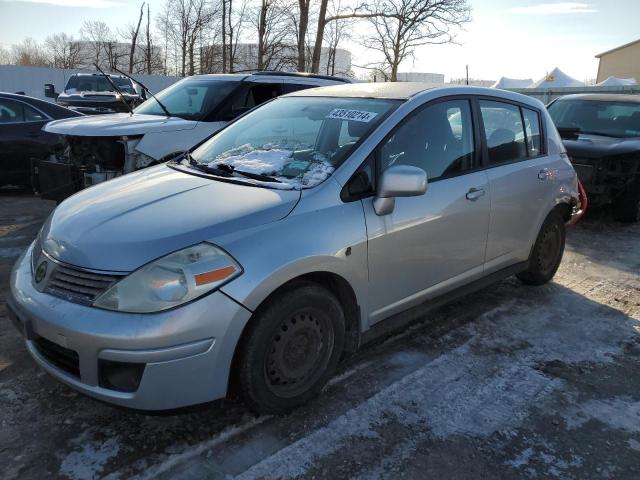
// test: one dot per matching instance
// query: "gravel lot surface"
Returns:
(509, 382)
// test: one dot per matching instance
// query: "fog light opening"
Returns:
(120, 376)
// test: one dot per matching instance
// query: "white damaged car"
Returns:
(98, 148)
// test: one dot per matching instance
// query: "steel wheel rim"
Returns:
(299, 352)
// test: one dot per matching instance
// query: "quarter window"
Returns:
(438, 139)
(32, 115)
(532, 128)
(504, 132)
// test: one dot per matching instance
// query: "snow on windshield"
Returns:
(280, 162)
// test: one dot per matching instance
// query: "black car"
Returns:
(21, 137)
(93, 93)
(601, 133)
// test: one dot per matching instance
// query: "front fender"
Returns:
(331, 240)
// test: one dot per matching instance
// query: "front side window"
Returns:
(10, 111)
(437, 139)
(608, 118)
(292, 142)
(257, 95)
(191, 99)
(504, 131)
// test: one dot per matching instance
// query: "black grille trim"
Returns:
(63, 358)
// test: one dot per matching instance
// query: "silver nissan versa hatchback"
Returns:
(300, 231)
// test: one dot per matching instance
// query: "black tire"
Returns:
(291, 349)
(547, 252)
(627, 207)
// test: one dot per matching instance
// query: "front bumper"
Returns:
(186, 352)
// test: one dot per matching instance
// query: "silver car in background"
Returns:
(300, 231)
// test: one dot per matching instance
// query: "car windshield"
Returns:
(191, 99)
(297, 142)
(97, 83)
(609, 118)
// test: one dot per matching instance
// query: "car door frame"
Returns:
(495, 264)
(372, 156)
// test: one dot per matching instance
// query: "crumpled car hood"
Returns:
(117, 124)
(126, 222)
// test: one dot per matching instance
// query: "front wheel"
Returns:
(291, 349)
(546, 254)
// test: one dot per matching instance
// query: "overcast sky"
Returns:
(513, 38)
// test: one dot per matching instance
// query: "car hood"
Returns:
(596, 146)
(117, 124)
(126, 222)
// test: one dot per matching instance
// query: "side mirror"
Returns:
(398, 181)
(50, 90)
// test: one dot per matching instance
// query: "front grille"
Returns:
(78, 285)
(63, 358)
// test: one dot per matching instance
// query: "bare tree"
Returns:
(336, 32)
(133, 32)
(5, 56)
(63, 50)
(304, 7)
(274, 34)
(184, 23)
(29, 53)
(148, 51)
(96, 34)
(400, 26)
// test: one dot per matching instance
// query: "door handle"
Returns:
(543, 174)
(475, 193)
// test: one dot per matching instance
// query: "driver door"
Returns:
(434, 242)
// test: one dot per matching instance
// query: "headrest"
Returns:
(500, 137)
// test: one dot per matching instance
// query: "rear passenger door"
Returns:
(520, 179)
(434, 242)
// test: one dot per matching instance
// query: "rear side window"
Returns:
(504, 132)
(532, 129)
(437, 139)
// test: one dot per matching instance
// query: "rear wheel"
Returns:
(292, 348)
(546, 254)
(627, 208)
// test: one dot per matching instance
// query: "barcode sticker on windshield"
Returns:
(355, 115)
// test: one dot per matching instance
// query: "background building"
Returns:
(421, 77)
(333, 61)
(621, 62)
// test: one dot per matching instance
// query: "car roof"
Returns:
(602, 97)
(407, 90)
(269, 75)
(50, 108)
(390, 90)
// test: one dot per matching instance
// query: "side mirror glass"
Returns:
(398, 181)
(50, 90)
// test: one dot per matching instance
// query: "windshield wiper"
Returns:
(225, 170)
(115, 88)
(254, 176)
(147, 90)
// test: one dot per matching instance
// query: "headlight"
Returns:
(171, 280)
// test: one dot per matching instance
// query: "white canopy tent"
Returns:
(557, 78)
(505, 82)
(617, 82)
